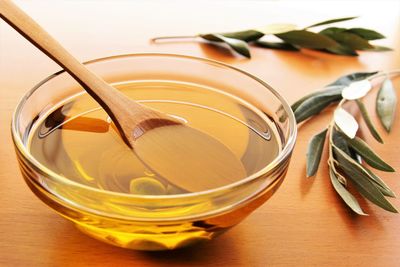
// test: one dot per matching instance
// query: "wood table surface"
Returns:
(303, 224)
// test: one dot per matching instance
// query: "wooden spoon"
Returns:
(186, 157)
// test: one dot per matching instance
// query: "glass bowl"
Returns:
(160, 222)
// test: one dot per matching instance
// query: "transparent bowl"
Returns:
(160, 222)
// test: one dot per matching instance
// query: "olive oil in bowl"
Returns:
(78, 140)
(74, 160)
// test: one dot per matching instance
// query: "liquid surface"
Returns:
(78, 140)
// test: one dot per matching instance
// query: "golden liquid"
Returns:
(79, 142)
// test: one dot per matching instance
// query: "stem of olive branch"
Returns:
(331, 160)
(156, 39)
(394, 72)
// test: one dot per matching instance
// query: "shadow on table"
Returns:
(200, 254)
(221, 52)
(314, 63)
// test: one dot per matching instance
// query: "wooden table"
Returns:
(304, 224)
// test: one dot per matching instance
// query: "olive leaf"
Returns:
(386, 101)
(307, 39)
(346, 38)
(368, 121)
(276, 45)
(368, 154)
(366, 33)
(237, 45)
(341, 50)
(380, 48)
(335, 88)
(346, 122)
(347, 197)
(381, 184)
(362, 181)
(370, 175)
(276, 28)
(356, 90)
(332, 31)
(330, 21)
(314, 152)
(313, 105)
(247, 36)
(334, 91)
(340, 141)
(352, 41)
(348, 79)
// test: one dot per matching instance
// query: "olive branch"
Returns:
(333, 40)
(347, 152)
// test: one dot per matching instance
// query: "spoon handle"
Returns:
(121, 109)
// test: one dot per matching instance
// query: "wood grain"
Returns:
(304, 224)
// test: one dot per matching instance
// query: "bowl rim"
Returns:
(284, 153)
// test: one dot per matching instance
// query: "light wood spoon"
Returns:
(186, 157)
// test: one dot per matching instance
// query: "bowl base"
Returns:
(146, 241)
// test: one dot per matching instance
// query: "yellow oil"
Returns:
(78, 141)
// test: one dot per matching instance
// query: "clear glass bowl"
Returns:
(154, 222)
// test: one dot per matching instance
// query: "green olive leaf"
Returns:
(277, 28)
(347, 39)
(386, 101)
(340, 141)
(368, 121)
(368, 154)
(348, 79)
(332, 31)
(330, 21)
(276, 45)
(370, 175)
(314, 105)
(362, 181)
(314, 152)
(247, 36)
(352, 41)
(366, 34)
(335, 91)
(237, 45)
(380, 48)
(307, 39)
(381, 184)
(341, 50)
(347, 197)
(210, 37)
